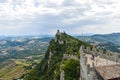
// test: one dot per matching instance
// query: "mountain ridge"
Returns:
(107, 41)
(50, 66)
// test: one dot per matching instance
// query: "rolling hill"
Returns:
(107, 41)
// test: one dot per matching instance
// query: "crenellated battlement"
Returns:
(94, 61)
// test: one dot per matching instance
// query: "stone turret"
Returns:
(58, 32)
(57, 36)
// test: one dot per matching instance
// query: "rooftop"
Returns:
(109, 72)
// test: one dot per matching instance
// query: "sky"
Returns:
(36, 17)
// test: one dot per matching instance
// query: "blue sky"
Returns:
(31, 17)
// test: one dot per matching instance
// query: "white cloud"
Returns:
(86, 14)
(13, 9)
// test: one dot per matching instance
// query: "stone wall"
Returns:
(88, 73)
(85, 73)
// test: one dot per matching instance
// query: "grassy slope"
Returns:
(12, 71)
(16, 68)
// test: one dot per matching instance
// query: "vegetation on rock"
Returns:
(49, 68)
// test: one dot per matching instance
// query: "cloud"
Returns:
(45, 16)
(2, 1)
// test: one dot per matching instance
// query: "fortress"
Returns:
(104, 66)
(96, 65)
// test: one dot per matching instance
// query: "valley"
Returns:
(19, 56)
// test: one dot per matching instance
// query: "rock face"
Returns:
(61, 60)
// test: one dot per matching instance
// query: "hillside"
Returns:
(15, 68)
(17, 48)
(108, 41)
(54, 61)
(10, 70)
(114, 38)
(19, 55)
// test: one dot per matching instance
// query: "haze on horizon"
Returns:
(34, 17)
